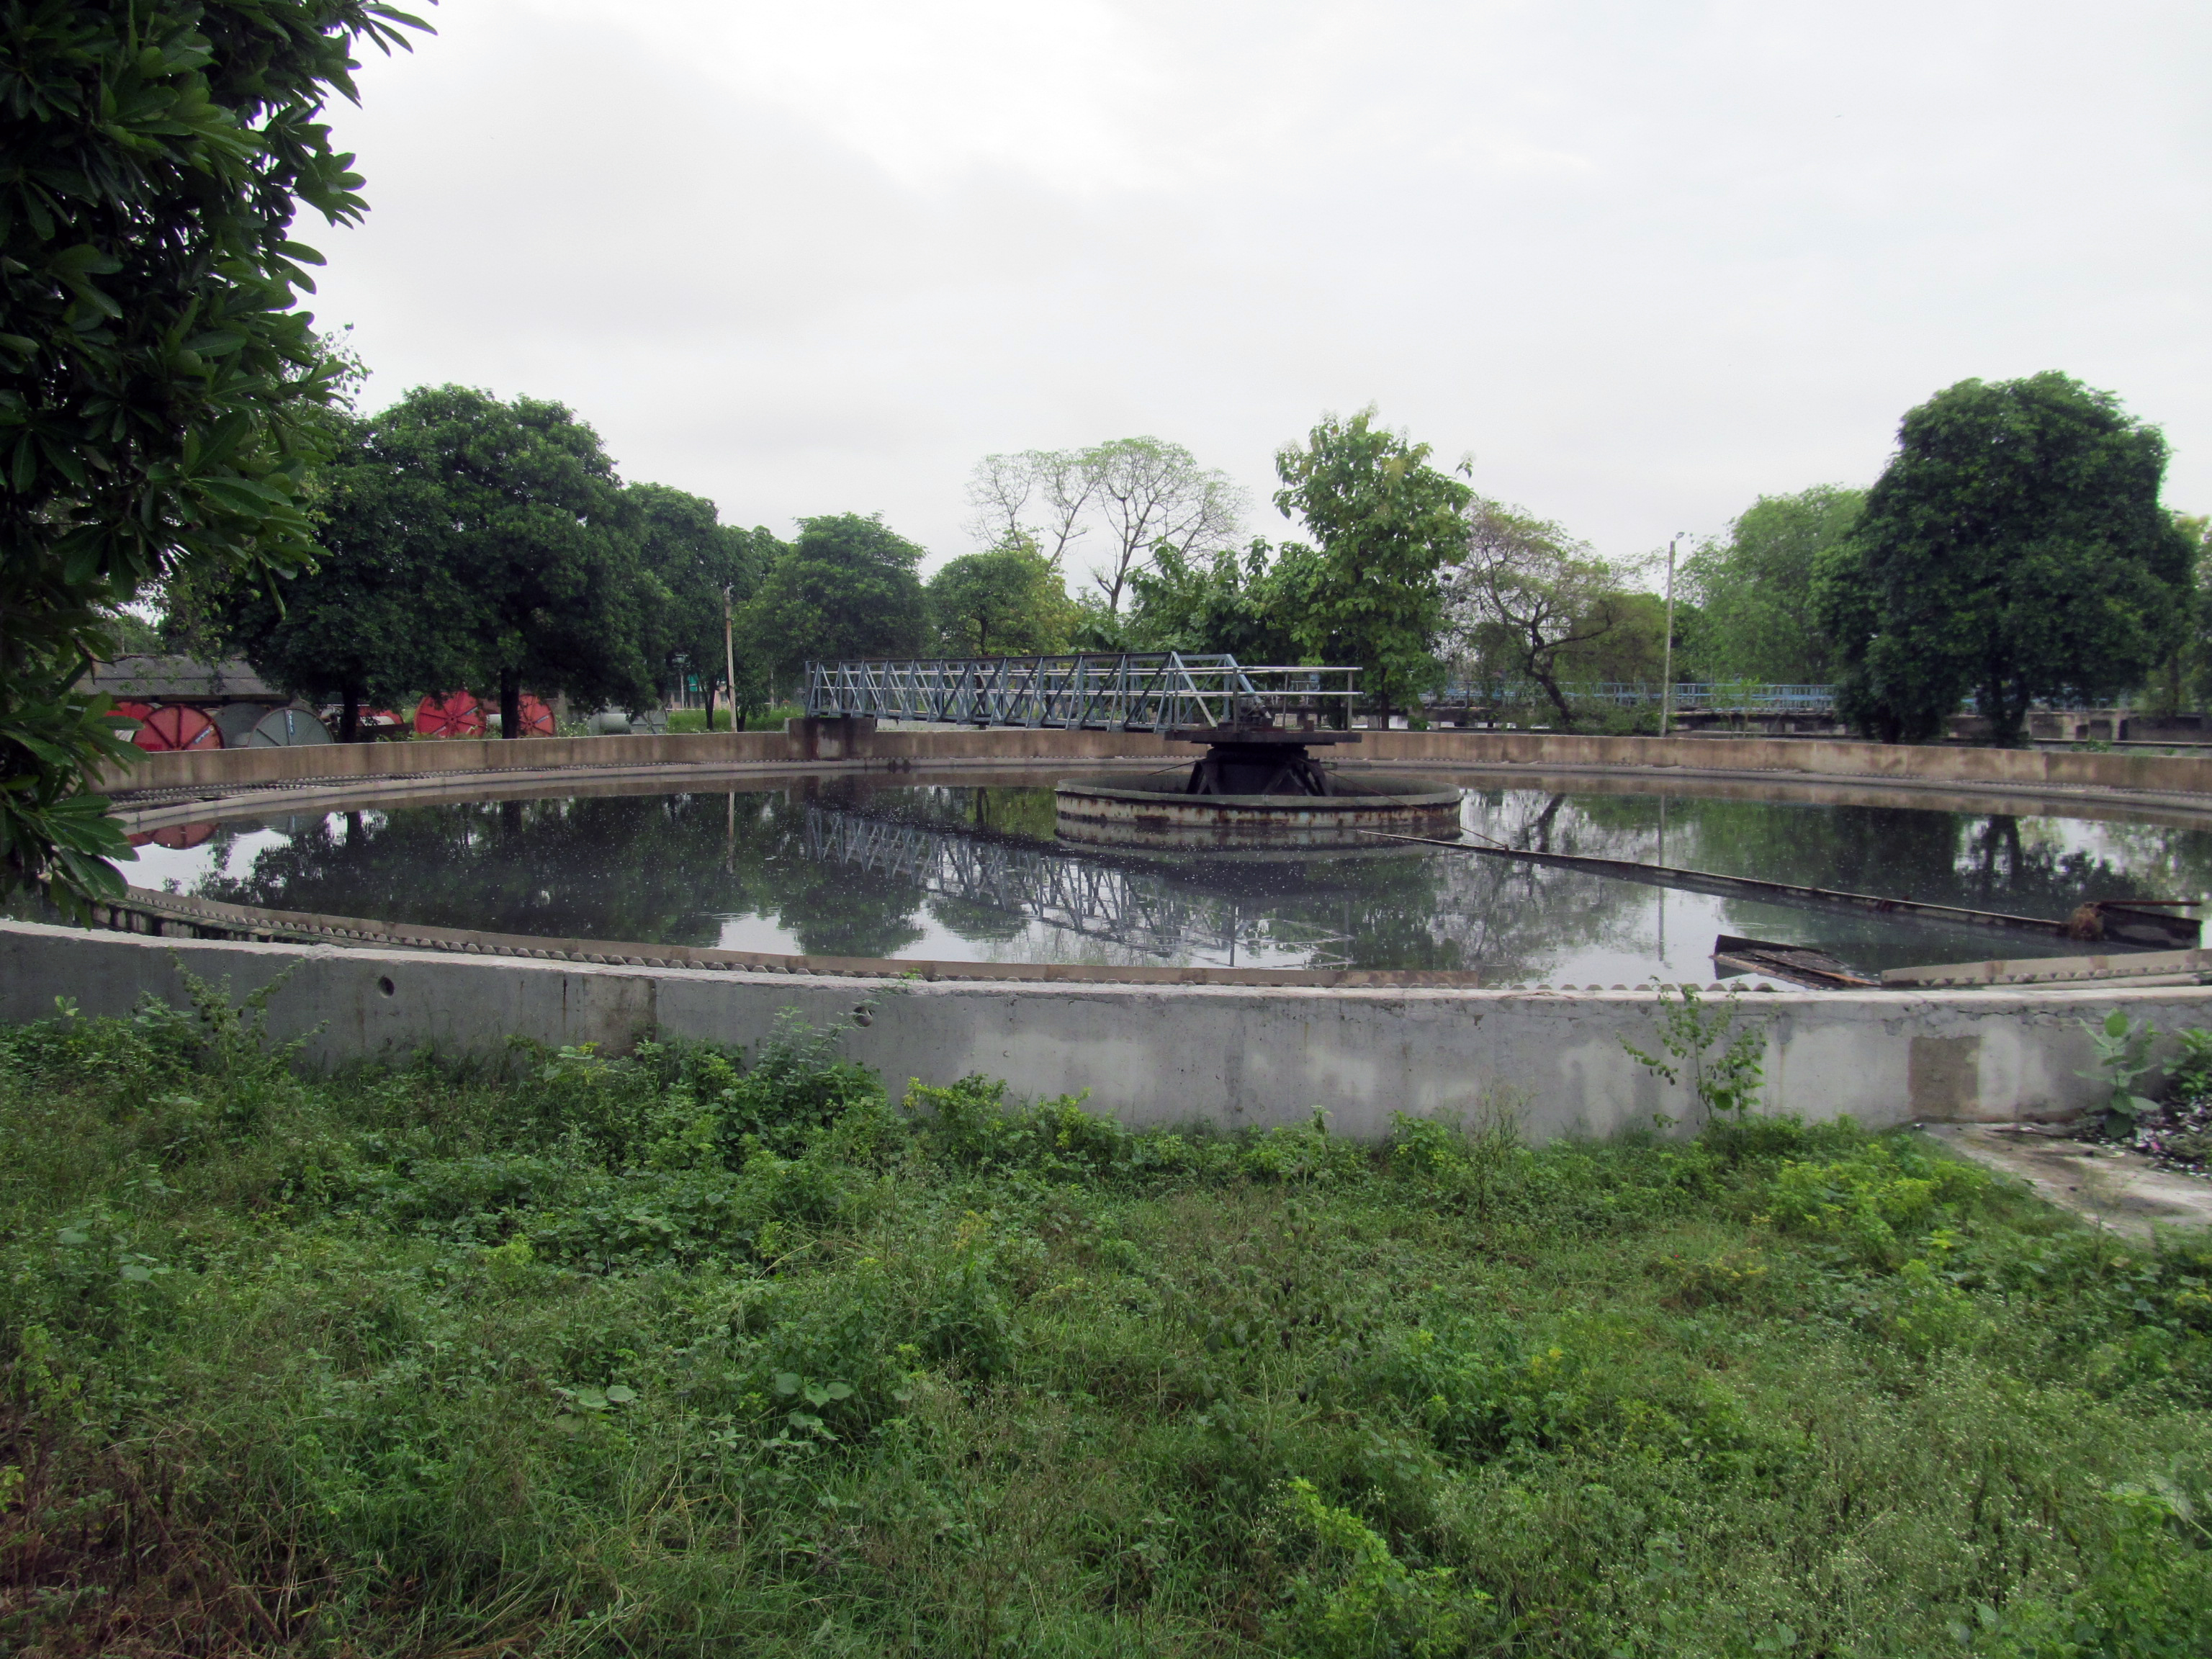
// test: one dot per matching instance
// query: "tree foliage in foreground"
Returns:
(158, 386)
(2014, 549)
(1384, 524)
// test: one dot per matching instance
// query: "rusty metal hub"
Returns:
(1260, 759)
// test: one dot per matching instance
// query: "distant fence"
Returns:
(1728, 696)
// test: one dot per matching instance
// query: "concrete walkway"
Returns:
(2111, 1186)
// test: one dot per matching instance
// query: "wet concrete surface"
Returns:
(2112, 1186)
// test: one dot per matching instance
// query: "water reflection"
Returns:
(966, 872)
(997, 886)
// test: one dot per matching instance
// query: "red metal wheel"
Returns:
(456, 714)
(176, 726)
(537, 719)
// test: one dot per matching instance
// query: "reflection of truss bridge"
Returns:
(1098, 901)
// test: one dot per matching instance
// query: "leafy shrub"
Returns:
(1303, 1152)
(1357, 1601)
(969, 1125)
(2122, 1048)
(1479, 1169)
(1874, 1200)
(1726, 1083)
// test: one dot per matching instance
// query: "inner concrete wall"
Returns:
(862, 743)
(1233, 1055)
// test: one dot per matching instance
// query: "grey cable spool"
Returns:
(236, 721)
(285, 728)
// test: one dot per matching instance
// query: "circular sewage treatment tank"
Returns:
(968, 867)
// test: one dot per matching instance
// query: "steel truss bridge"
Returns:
(1128, 908)
(1125, 691)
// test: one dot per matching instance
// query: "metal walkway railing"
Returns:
(1734, 697)
(1130, 692)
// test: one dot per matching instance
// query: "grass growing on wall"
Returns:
(693, 1353)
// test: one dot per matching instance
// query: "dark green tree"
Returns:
(1386, 523)
(1239, 603)
(370, 623)
(157, 386)
(533, 531)
(2183, 679)
(1757, 616)
(697, 571)
(845, 589)
(2014, 549)
(1009, 601)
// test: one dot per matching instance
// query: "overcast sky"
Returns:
(1646, 260)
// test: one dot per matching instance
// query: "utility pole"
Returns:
(730, 666)
(1667, 673)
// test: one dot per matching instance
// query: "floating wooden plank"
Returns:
(2143, 967)
(1800, 964)
(2139, 924)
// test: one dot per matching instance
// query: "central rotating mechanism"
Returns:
(1257, 786)
(1256, 757)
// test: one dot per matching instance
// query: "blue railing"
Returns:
(1729, 696)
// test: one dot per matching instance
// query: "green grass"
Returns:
(672, 1355)
(762, 720)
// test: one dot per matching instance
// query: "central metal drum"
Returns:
(1255, 786)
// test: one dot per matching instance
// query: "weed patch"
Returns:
(699, 1352)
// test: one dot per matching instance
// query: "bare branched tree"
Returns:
(1141, 493)
(1036, 497)
(1152, 493)
(999, 492)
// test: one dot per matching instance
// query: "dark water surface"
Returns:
(964, 872)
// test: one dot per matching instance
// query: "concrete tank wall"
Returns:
(861, 743)
(1233, 1055)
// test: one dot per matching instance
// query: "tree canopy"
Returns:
(2014, 549)
(1535, 603)
(1386, 523)
(845, 589)
(527, 517)
(1009, 601)
(691, 562)
(367, 623)
(1757, 615)
(1240, 603)
(157, 384)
